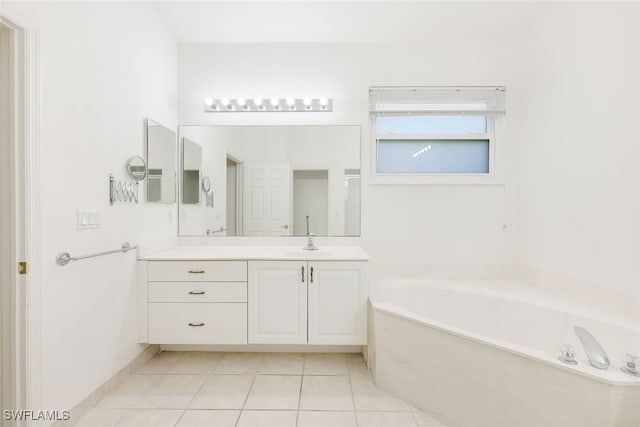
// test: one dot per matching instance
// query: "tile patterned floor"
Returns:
(188, 389)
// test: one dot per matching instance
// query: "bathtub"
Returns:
(484, 353)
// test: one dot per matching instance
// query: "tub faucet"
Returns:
(596, 354)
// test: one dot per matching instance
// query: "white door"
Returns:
(277, 302)
(338, 294)
(267, 194)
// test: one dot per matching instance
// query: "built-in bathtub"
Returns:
(480, 353)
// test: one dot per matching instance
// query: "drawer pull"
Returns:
(196, 271)
(196, 292)
(196, 324)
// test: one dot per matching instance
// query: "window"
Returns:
(436, 135)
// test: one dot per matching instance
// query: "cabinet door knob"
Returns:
(196, 324)
(196, 271)
(285, 226)
(196, 292)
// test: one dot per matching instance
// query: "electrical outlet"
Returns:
(89, 218)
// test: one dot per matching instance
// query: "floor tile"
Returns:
(161, 363)
(368, 397)
(239, 363)
(223, 392)
(101, 417)
(325, 364)
(208, 418)
(149, 418)
(357, 365)
(196, 362)
(326, 393)
(274, 392)
(282, 363)
(386, 419)
(326, 419)
(267, 419)
(130, 391)
(173, 392)
(424, 420)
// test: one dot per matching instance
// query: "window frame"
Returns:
(495, 134)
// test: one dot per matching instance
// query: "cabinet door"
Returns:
(277, 302)
(338, 294)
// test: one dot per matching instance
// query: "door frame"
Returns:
(24, 148)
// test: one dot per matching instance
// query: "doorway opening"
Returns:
(311, 199)
(19, 332)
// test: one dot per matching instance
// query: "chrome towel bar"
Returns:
(63, 258)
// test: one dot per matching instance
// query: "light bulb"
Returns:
(225, 102)
(307, 102)
(324, 101)
(257, 102)
(290, 102)
(241, 102)
(275, 103)
(208, 101)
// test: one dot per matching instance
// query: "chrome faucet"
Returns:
(596, 354)
(310, 246)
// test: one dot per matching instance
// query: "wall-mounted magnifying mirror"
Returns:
(137, 168)
(206, 184)
(270, 179)
(162, 150)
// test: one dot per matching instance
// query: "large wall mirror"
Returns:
(161, 152)
(270, 180)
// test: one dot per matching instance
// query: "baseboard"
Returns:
(82, 408)
(271, 348)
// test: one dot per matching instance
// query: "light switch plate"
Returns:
(88, 219)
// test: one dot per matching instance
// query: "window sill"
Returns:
(436, 179)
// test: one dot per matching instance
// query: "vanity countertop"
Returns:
(254, 253)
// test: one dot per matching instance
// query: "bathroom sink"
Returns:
(306, 254)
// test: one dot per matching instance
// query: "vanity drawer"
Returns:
(197, 271)
(198, 292)
(197, 323)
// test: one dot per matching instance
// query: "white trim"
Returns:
(28, 165)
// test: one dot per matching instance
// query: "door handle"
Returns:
(311, 272)
(302, 274)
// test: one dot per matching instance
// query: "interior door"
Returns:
(277, 302)
(267, 195)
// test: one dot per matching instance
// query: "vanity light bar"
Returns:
(272, 105)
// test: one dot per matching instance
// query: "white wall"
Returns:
(578, 157)
(433, 225)
(103, 69)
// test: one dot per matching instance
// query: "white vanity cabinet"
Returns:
(196, 302)
(307, 302)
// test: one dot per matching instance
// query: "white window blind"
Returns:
(431, 100)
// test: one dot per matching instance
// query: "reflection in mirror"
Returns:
(270, 178)
(161, 149)
(191, 169)
(136, 168)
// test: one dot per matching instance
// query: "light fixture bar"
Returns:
(269, 105)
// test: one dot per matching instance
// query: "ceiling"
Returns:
(329, 21)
